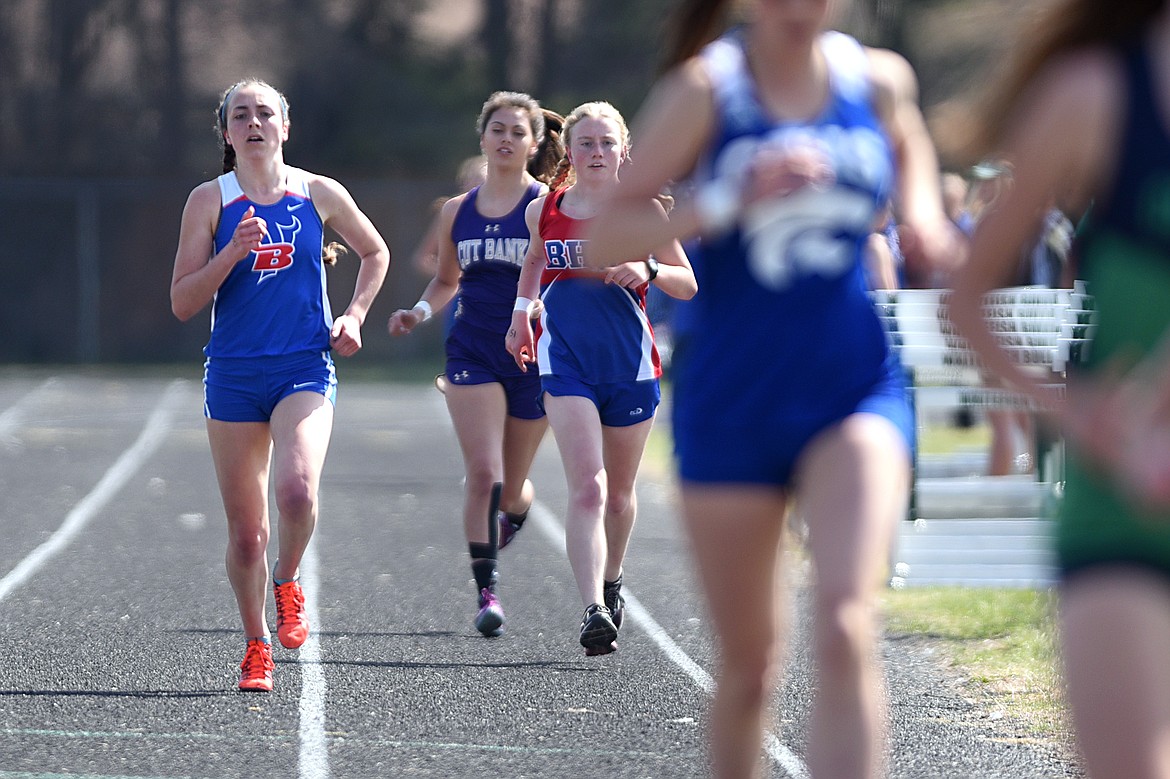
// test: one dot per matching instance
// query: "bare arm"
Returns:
(519, 341)
(445, 283)
(931, 240)
(199, 270)
(880, 261)
(1059, 142)
(339, 211)
(675, 276)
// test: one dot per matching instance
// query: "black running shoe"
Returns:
(598, 633)
(614, 601)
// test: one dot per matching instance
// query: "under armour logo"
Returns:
(492, 228)
(461, 376)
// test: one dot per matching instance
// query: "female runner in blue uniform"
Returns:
(1083, 116)
(599, 366)
(251, 245)
(795, 137)
(494, 406)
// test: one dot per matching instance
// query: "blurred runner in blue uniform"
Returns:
(794, 137)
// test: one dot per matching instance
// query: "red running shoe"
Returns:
(256, 670)
(292, 626)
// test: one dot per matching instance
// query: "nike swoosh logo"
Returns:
(295, 206)
(304, 384)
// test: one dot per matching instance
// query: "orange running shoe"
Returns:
(256, 670)
(292, 626)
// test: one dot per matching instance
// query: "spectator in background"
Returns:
(472, 172)
(954, 192)
(884, 264)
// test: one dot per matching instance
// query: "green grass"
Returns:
(1000, 643)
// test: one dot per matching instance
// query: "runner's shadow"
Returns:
(123, 693)
(333, 633)
(552, 665)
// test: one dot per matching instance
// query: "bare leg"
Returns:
(240, 451)
(853, 484)
(1116, 639)
(735, 535)
(478, 413)
(301, 427)
(522, 438)
(577, 428)
(622, 453)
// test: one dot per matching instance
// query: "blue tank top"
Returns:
(491, 253)
(274, 301)
(782, 321)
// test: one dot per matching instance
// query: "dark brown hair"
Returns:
(546, 129)
(1060, 28)
(543, 166)
(330, 252)
(695, 24)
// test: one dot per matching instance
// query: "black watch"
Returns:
(652, 265)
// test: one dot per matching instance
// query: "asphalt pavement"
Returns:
(120, 640)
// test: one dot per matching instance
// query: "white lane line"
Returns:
(115, 478)
(784, 757)
(13, 415)
(314, 754)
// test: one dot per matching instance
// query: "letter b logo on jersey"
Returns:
(272, 258)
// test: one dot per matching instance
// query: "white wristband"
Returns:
(717, 205)
(523, 304)
(426, 309)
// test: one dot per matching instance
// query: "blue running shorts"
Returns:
(247, 389)
(619, 404)
(765, 449)
(478, 356)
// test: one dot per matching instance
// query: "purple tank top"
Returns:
(491, 253)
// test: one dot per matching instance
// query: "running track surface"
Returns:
(120, 640)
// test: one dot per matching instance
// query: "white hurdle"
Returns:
(966, 527)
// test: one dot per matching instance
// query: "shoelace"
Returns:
(290, 601)
(595, 608)
(257, 661)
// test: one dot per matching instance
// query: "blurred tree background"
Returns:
(107, 115)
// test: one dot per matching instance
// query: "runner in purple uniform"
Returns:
(493, 404)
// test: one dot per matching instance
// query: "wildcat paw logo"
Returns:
(272, 258)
